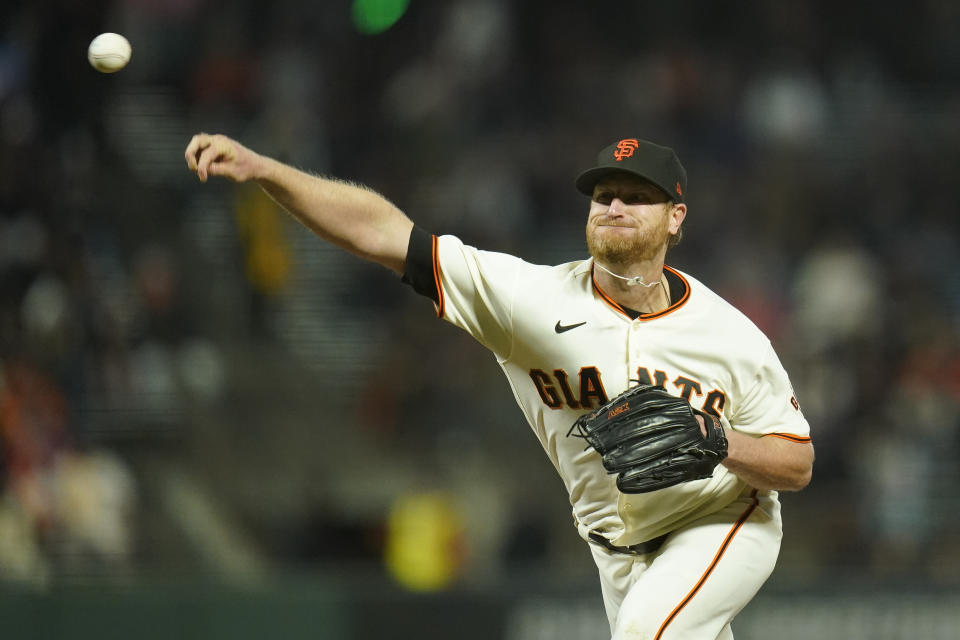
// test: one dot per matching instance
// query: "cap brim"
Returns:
(587, 180)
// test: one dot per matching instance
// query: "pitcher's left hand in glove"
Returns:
(652, 439)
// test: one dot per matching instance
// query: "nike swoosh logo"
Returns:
(561, 328)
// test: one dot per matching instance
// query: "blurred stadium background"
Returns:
(189, 377)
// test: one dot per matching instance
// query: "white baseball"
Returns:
(109, 52)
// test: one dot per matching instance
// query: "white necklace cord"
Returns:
(632, 282)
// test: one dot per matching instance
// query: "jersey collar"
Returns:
(679, 294)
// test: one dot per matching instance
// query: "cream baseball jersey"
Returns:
(566, 347)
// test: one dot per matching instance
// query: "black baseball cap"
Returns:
(660, 165)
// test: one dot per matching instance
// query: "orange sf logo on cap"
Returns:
(625, 148)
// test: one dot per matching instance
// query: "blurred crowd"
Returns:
(190, 381)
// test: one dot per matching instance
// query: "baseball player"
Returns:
(677, 562)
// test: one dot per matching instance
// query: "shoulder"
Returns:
(452, 252)
(706, 305)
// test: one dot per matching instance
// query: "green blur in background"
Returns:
(376, 16)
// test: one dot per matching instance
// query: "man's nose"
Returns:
(616, 206)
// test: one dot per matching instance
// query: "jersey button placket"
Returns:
(634, 348)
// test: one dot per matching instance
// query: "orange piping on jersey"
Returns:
(788, 436)
(716, 559)
(648, 316)
(610, 301)
(436, 277)
(676, 305)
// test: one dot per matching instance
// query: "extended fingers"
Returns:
(207, 155)
(198, 143)
(205, 149)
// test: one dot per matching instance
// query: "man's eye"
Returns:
(603, 198)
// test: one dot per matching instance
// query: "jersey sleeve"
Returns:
(471, 289)
(769, 406)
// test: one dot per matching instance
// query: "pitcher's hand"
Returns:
(218, 155)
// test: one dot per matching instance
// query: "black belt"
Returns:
(638, 549)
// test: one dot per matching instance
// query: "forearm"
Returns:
(352, 217)
(769, 462)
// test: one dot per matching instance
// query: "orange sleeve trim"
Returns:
(789, 436)
(716, 559)
(437, 279)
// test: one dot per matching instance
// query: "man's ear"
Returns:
(677, 215)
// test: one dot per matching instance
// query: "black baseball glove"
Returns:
(652, 439)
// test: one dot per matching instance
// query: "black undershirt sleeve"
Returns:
(419, 271)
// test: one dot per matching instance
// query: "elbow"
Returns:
(796, 482)
(803, 472)
(802, 479)
(802, 476)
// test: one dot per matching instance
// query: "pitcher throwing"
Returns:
(674, 487)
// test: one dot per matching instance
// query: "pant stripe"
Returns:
(716, 559)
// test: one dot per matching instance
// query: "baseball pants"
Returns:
(704, 574)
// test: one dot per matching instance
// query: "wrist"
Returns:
(264, 169)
